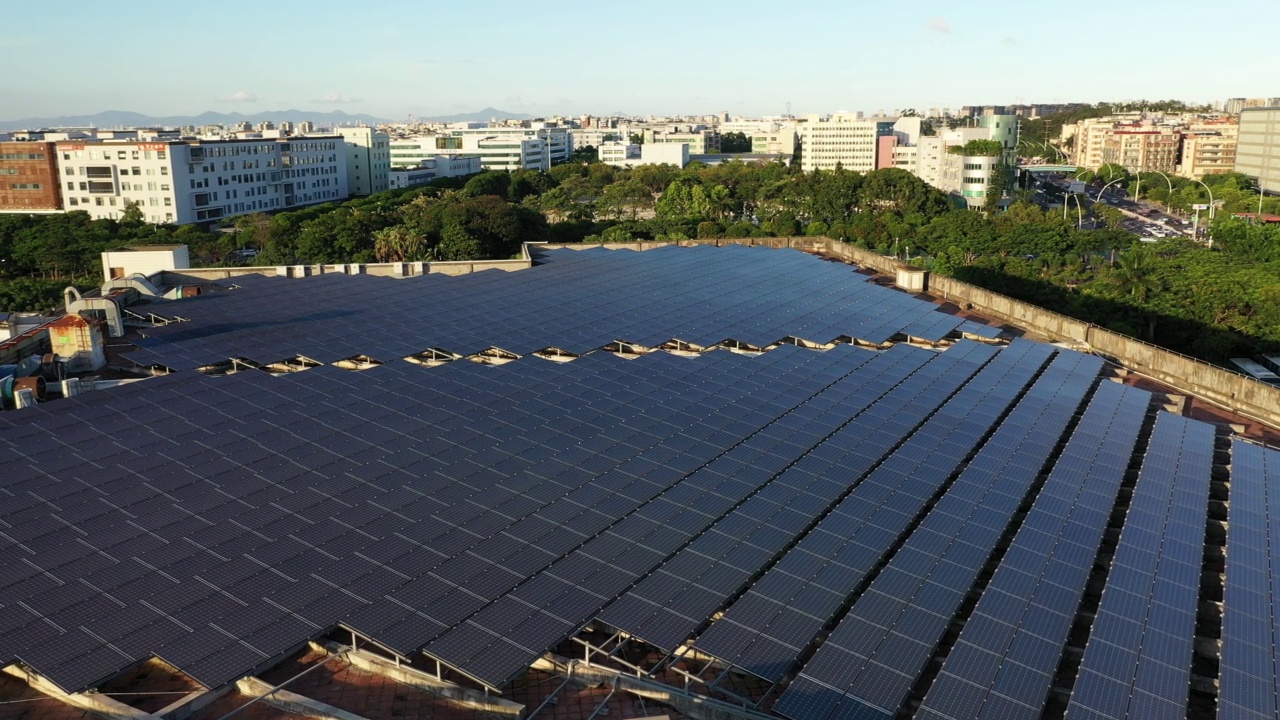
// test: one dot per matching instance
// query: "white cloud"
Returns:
(242, 96)
(1009, 42)
(938, 25)
(336, 98)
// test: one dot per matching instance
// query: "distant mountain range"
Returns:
(120, 118)
(484, 115)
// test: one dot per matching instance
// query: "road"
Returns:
(1142, 218)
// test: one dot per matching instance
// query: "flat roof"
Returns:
(790, 490)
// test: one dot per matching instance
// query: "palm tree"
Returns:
(1135, 275)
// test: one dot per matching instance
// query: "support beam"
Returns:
(698, 707)
(191, 703)
(426, 682)
(292, 702)
(100, 705)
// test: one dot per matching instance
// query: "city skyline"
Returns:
(398, 58)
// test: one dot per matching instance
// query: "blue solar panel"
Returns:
(671, 604)
(1138, 659)
(767, 630)
(991, 672)
(875, 654)
(742, 294)
(1247, 677)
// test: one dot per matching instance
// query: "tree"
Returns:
(1135, 276)
(494, 182)
(635, 139)
(399, 244)
(735, 142)
(132, 215)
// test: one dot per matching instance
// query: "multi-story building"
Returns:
(1258, 147)
(499, 148)
(368, 159)
(941, 161)
(203, 180)
(1144, 149)
(700, 142)
(781, 139)
(845, 140)
(441, 166)
(1208, 149)
(1234, 106)
(623, 154)
(29, 178)
(595, 137)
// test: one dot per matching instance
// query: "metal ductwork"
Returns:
(76, 304)
(136, 281)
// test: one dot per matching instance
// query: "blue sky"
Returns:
(432, 57)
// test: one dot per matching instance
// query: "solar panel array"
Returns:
(582, 301)
(869, 663)
(217, 522)
(669, 605)
(1138, 659)
(766, 630)
(1248, 688)
(1003, 664)
(504, 638)
(744, 506)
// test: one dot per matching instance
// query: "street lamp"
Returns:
(1104, 188)
(1079, 210)
(1211, 209)
(1138, 187)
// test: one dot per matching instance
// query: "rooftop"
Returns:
(737, 480)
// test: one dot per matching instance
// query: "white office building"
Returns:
(441, 166)
(201, 180)
(621, 154)
(595, 137)
(368, 159)
(847, 140)
(499, 148)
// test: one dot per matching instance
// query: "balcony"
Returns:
(195, 155)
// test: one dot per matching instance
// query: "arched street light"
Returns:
(1196, 226)
(1104, 188)
(1079, 209)
(1138, 186)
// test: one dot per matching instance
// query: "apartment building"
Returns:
(846, 140)
(204, 180)
(780, 139)
(1208, 149)
(1258, 147)
(29, 178)
(1143, 149)
(1234, 106)
(368, 159)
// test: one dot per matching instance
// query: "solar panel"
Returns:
(746, 294)
(1138, 658)
(796, 594)
(877, 651)
(1247, 672)
(993, 671)
(715, 566)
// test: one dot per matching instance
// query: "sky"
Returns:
(428, 58)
